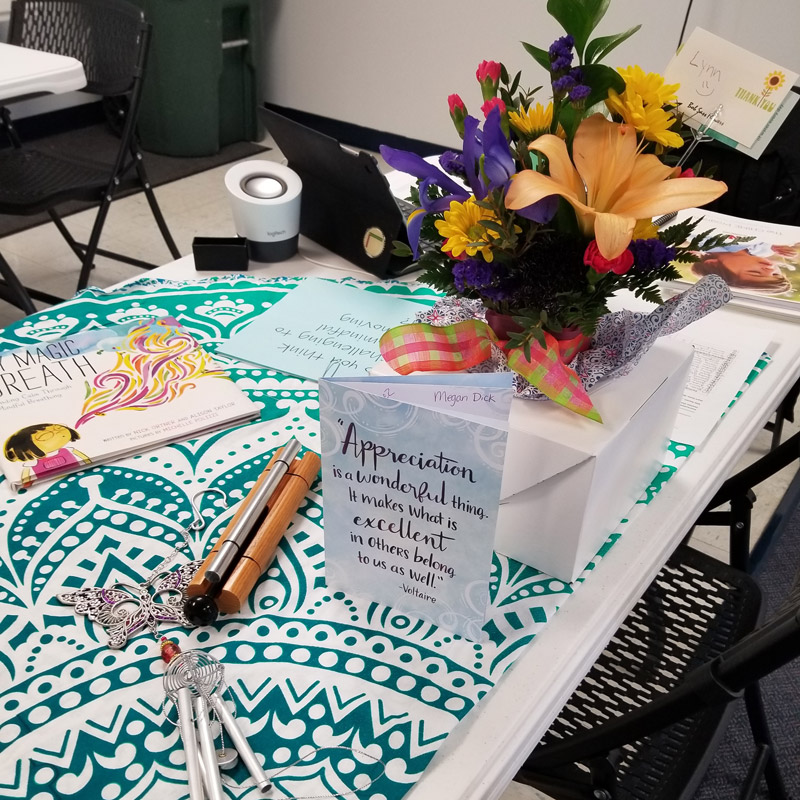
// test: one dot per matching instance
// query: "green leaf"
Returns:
(493, 226)
(599, 48)
(597, 10)
(540, 56)
(401, 249)
(570, 118)
(601, 78)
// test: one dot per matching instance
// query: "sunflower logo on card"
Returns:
(772, 82)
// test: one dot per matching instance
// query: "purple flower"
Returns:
(562, 48)
(561, 63)
(428, 175)
(650, 254)
(498, 165)
(452, 163)
(579, 93)
(472, 273)
(564, 84)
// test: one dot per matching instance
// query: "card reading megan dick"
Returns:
(411, 470)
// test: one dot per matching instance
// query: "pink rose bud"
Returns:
(687, 173)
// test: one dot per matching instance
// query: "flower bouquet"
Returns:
(546, 213)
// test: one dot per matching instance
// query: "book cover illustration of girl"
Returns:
(44, 450)
(155, 362)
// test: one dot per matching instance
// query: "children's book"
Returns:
(95, 396)
(761, 270)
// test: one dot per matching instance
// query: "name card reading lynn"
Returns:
(713, 72)
(411, 469)
(321, 328)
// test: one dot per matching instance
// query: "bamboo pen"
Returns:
(259, 553)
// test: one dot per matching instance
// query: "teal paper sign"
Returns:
(411, 471)
(321, 328)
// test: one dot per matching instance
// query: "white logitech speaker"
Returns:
(265, 201)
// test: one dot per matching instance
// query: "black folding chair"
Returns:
(110, 38)
(645, 721)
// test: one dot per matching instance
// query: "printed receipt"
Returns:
(720, 367)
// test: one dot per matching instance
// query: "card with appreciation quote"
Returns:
(739, 90)
(411, 470)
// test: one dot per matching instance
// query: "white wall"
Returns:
(391, 66)
(769, 28)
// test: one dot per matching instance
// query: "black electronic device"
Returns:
(347, 205)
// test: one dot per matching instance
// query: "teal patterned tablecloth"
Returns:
(308, 668)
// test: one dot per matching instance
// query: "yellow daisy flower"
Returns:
(649, 86)
(652, 121)
(774, 80)
(534, 121)
(463, 231)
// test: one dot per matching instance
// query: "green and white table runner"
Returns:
(308, 668)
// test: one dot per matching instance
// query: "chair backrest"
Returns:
(717, 680)
(109, 37)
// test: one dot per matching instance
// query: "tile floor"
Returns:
(198, 206)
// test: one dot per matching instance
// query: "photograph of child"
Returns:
(755, 267)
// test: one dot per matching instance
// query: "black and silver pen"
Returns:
(237, 537)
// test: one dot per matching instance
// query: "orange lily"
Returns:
(611, 185)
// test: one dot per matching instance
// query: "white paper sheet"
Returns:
(721, 364)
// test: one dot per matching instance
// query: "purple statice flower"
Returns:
(472, 273)
(453, 163)
(579, 93)
(650, 254)
(564, 84)
(560, 53)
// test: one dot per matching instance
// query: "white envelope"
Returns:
(568, 481)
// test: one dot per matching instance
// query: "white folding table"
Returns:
(481, 756)
(27, 73)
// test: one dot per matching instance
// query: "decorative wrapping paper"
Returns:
(617, 346)
(306, 667)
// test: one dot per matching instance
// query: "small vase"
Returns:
(570, 340)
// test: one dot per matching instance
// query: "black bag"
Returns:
(766, 189)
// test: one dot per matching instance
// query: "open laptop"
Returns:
(346, 205)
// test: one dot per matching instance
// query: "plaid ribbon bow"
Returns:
(452, 348)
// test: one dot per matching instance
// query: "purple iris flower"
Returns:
(489, 146)
(428, 175)
(498, 165)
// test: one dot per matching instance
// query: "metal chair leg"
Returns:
(13, 291)
(153, 203)
(763, 739)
